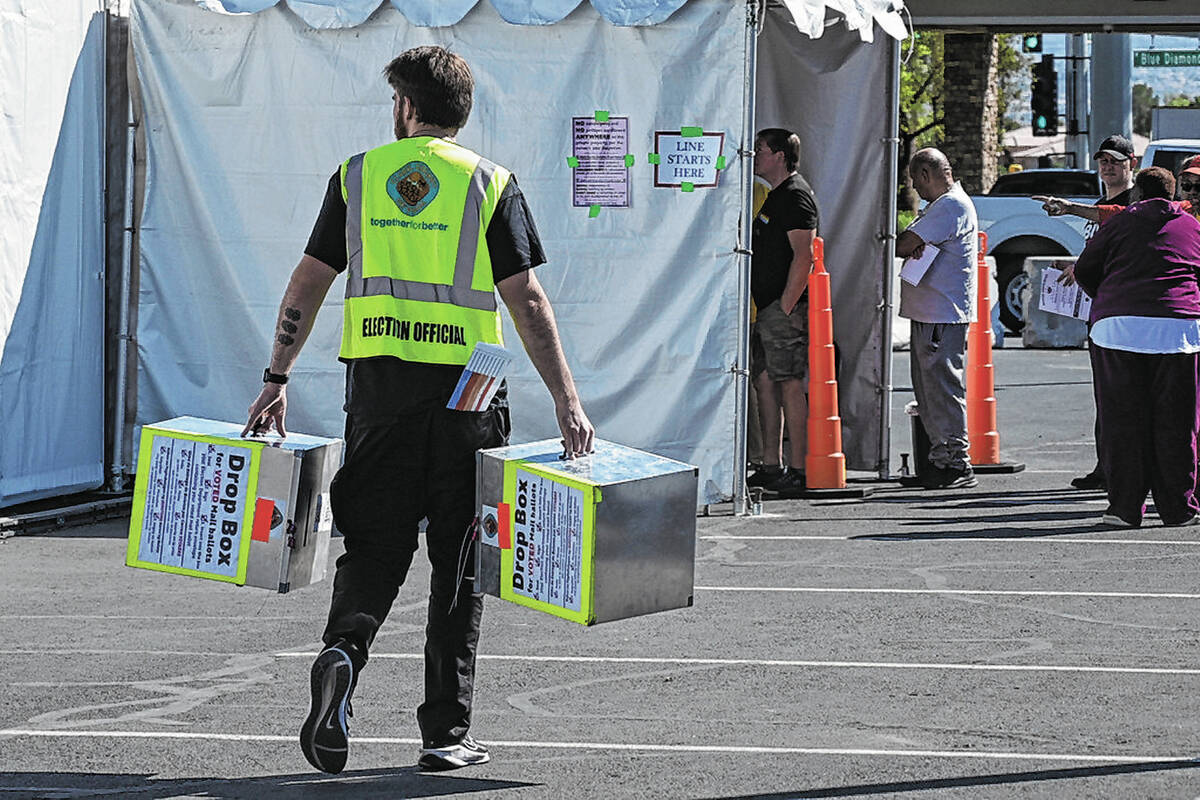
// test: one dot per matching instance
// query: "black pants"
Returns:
(1146, 405)
(397, 472)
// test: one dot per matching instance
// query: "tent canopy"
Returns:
(810, 16)
(247, 111)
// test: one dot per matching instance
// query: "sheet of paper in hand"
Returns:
(1066, 301)
(914, 269)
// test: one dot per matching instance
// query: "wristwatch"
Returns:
(272, 377)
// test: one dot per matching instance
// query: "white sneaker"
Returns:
(453, 756)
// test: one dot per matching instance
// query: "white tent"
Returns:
(248, 111)
(52, 249)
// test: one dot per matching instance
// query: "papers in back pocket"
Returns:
(480, 378)
(913, 269)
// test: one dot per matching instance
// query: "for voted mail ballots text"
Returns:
(597, 538)
(210, 504)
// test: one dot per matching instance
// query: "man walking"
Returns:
(783, 234)
(426, 231)
(941, 306)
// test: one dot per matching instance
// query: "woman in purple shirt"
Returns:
(1141, 271)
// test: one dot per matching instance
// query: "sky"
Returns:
(1165, 81)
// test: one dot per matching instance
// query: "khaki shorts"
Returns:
(782, 342)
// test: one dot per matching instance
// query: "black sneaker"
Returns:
(1092, 481)
(764, 475)
(949, 478)
(791, 483)
(324, 735)
(453, 756)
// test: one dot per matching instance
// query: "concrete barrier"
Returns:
(1043, 329)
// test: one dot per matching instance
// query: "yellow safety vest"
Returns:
(419, 277)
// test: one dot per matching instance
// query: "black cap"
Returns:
(1116, 146)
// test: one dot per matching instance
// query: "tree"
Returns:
(1013, 74)
(922, 84)
(1183, 101)
(1144, 99)
(921, 79)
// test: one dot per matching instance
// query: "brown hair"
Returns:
(437, 82)
(780, 140)
(1155, 182)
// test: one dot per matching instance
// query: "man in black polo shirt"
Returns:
(784, 230)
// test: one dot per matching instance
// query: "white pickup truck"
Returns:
(1017, 227)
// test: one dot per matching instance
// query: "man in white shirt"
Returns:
(941, 305)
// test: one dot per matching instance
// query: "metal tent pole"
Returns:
(892, 141)
(119, 467)
(741, 368)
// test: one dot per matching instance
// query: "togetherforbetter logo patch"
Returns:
(412, 187)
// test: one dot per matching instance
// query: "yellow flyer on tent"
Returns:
(209, 504)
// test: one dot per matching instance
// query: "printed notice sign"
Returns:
(687, 161)
(196, 502)
(599, 172)
(547, 541)
(1057, 298)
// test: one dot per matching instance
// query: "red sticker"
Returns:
(263, 510)
(504, 510)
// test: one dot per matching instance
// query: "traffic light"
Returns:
(1031, 43)
(1044, 102)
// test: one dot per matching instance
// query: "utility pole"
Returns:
(1078, 128)
(1112, 81)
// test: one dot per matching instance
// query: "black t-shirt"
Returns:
(790, 206)
(1123, 199)
(384, 386)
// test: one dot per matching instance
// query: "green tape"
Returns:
(594, 211)
(653, 158)
(691, 131)
(572, 162)
(629, 159)
(601, 116)
(720, 162)
(687, 187)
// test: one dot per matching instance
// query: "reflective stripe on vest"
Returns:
(388, 312)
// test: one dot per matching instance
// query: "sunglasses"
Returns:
(1189, 186)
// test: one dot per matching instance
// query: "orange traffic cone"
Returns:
(825, 464)
(982, 437)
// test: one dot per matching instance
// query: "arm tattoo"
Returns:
(285, 340)
(292, 313)
(288, 326)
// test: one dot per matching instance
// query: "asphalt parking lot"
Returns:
(988, 643)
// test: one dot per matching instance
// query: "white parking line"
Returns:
(776, 662)
(971, 592)
(628, 747)
(155, 617)
(892, 537)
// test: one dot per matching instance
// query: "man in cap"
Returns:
(1116, 163)
(1189, 183)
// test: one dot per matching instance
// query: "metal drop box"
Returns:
(209, 504)
(598, 538)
